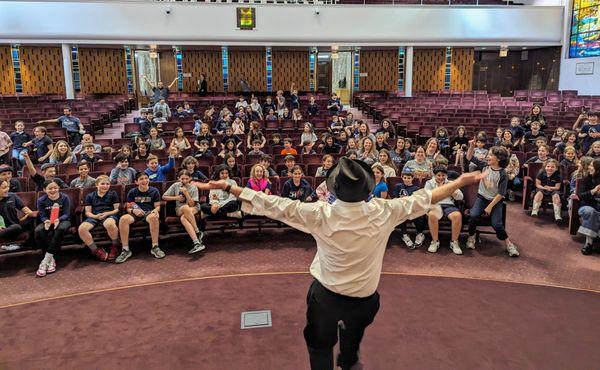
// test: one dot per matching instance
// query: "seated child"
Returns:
(297, 188)
(289, 161)
(122, 174)
(256, 148)
(157, 173)
(548, 183)
(101, 208)
(48, 173)
(405, 189)
(202, 150)
(191, 165)
(84, 180)
(88, 154)
(220, 202)
(186, 200)
(287, 147)
(259, 181)
(143, 204)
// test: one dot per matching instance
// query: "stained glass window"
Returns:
(585, 29)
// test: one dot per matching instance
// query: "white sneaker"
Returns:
(512, 250)
(11, 247)
(471, 240)
(42, 269)
(409, 243)
(419, 239)
(455, 247)
(51, 266)
(433, 247)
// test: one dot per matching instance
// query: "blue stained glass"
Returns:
(269, 68)
(225, 66)
(357, 70)
(17, 69)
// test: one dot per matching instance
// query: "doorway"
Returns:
(324, 73)
(342, 75)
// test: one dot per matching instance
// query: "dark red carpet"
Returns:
(424, 323)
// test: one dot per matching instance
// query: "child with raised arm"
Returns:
(490, 195)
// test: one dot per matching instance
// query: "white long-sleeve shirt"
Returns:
(351, 237)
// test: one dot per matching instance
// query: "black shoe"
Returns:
(587, 249)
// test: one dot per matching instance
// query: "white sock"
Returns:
(48, 256)
(589, 240)
(125, 247)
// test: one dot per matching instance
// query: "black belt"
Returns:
(317, 285)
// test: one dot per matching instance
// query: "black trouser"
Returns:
(74, 137)
(50, 240)
(226, 208)
(325, 310)
(11, 231)
(419, 222)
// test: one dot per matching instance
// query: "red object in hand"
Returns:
(54, 213)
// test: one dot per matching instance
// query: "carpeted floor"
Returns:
(424, 323)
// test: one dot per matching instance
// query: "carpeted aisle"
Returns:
(424, 323)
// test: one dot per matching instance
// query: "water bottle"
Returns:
(54, 212)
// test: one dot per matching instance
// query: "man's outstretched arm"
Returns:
(301, 216)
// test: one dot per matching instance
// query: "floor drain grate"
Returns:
(256, 319)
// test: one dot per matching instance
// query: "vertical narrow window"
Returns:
(129, 69)
(448, 68)
(225, 62)
(75, 68)
(401, 60)
(312, 57)
(356, 69)
(178, 61)
(269, 61)
(17, 68)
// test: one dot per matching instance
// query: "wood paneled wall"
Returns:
(102, 71)
(288, 67)
(461, 70)
(168, 68)
(7, 78)
(208, 62)
(248, 63)
(42, 70)
(428, 69)
(381, 67)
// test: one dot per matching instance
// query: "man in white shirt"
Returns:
(351, 236)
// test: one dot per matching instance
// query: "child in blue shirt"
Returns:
(381, 188)
(405, 189)
(157, 173)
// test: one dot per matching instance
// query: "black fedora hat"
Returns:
(351, 180)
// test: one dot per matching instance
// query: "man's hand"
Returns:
(218, 185)
(471, 178)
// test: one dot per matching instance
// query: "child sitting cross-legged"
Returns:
(220, 202)
(187, 207)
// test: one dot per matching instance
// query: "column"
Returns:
(68, 71)
(408, 71)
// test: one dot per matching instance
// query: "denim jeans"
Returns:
(590, 221)
(478, 209)
(18, 154)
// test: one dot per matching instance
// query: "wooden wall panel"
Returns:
(42, 70)
(168, 68)
(248, 63)
(461, 72)
(288, 67)
(102, 71)
(208, 62)
(7, 78)
(381, 67)
(428, 69)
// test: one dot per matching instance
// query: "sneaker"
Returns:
(236, 214)
(455, 247)
(125, 254)
(112, 254)
(407, 241)
(198, 246)
(512, 250)
(471, 240)
(433, 247)
(11, 247)
(200, 235)
(587, 249)
(51, 266)
(534, 213)
(511, 195)
(419, 239)
(157, 252)
(100, 253)
(42, 269)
